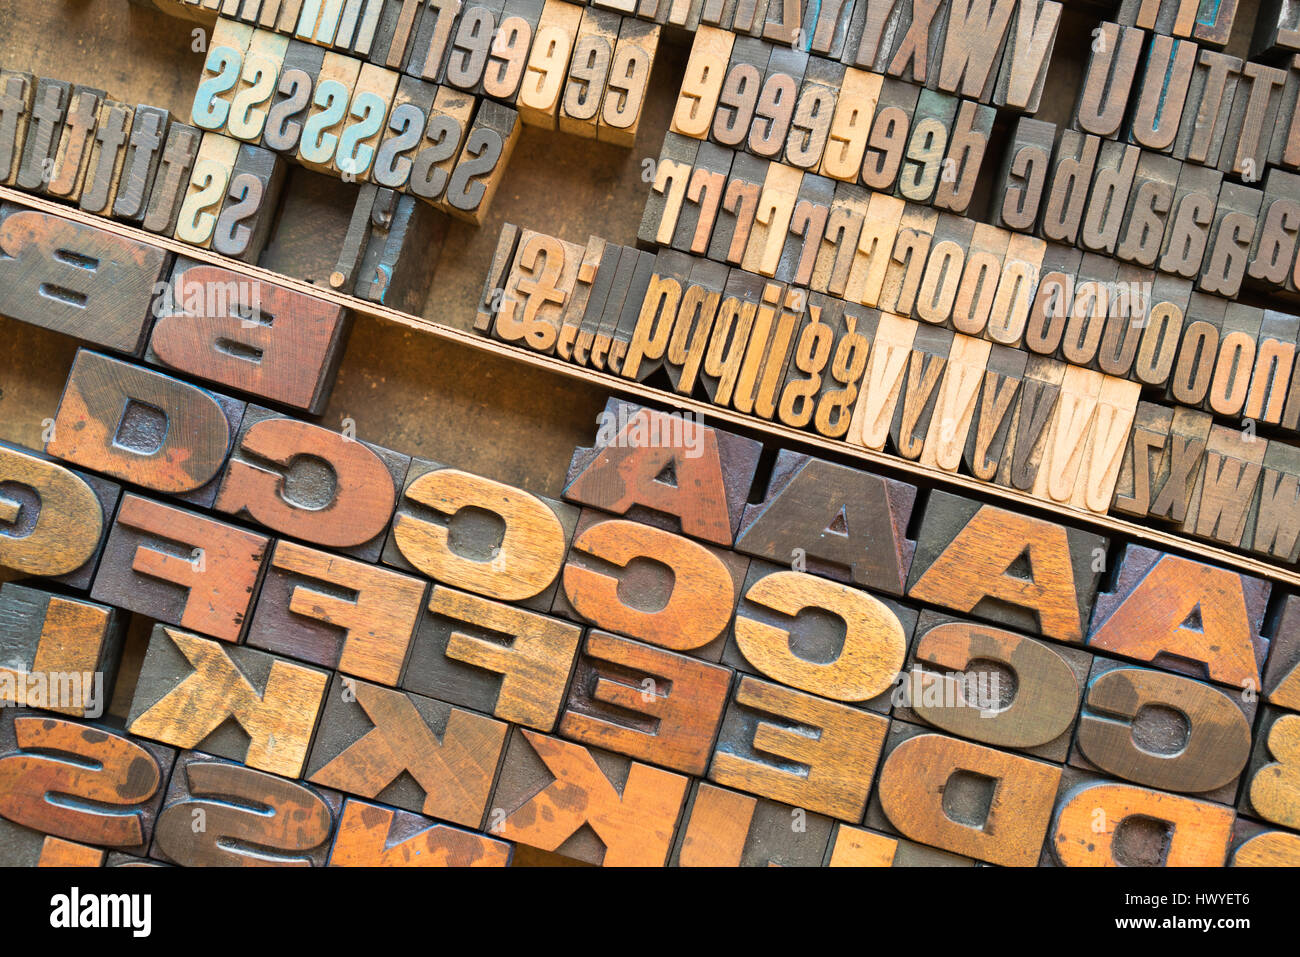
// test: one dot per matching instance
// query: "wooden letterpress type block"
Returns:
(1142, 827)
(638, 449)
(723, 828)
(650, 584)
(143, 427)
(45, 124)
(1231, 237)
(480, 535)
(1274, 362)
(647, 703)
(810, 124)
(443, 137)
(926, 365)
(968, 139)
(235, 702)
(60, 654)
(629, 82)
(492, 657)
(259, 79)
(774, 108)
(510, 49)
(252, 197)
(16, 94)
(370, 835)
(1112, 67)
(978, 559)
(585, 803)
(1190, 219)
(336, 613)
(107, 164)
(481, 167)
(52, 519)
(1183, 616)
(1150, 202)
(77, 280)
(172, 179)
(589, 72)
(1163, 731)
(846, 144)
(889, 136)
(312, 483)
(1209, 108)
(543, 272)
(1225, 487)
(79, 781)
(1272, 528)
(927, 146)
(966, 798)
(327, 114)
(792, 747)
(702, 83)
(249, 335)
(221, 71)
(292, 98)
(1111, 182)
(1253, 122)
(828, 639)
(409, 751)
(181, 568)
(1025, 58)
(1074, 164)
(72, 156)
(823, 510)
(548, 63)
(250, 818)
(986, 440)
(1162, 93)
(1273, 251)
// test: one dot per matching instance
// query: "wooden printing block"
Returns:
(1183, 18)
(469, 46)
(735, 218)
(774, 108)
(16, 94)
(724, 828)
(703, 199)
(878, 399)
(998, 391)
(912, 40)
(832, 391)
(394, 32)
(908, 260)
(1113, 179)
(647, 703)
(370, 835)
(406, 750)
(250, 818)
(968, 139)
(817, 512)
(702, 83)
(1163, 731)
(992, 686)
(974, 39)
(589, 72)
(1284, 142)
(889, 136)
(249, 335)
(510, 49)
(1235, 362)
(484, 536)
(157, 560)
(492, 657)
(1146, 218)
(1281, 686)
(58, 274)
(536, 290)
(1162, 334)
(1032, 415)
(1190, 219)
(370, 100)
(1253, 121)
(846, 144)
(622, 324)
(1225, 486)
(107, 163)
(1198, 350)
(672, 473)
(1208, 111)
(963, 797)
(430, 42)
(1273, 251)
(44, 126)
(252, 198)
(1272, 790)
(1095, 295)
(839, 240)
(771, 224)
(1023, 262)
(1174, 478)
(1099, 822)
(701, 303)
(952, 240)
(1231, 237)
(77, 781)
(767, 350)
(1067, 193)
(649, 584)
(1273, 365)
(927, 146)
(258, 79)
(1183, 616)
(441, 145)
(828, 639)
(282, 130)
(1066, 434)
(206, 191)
(221, 71)
(1053, 301)
(807, 224)
(54, 518)
(672, 174)
(730, 334)
(657, 318)
(1271, 527)
(1255, 845)
(72, 156)
(811, 122)
(59, 653)
(143, 427)
(327, 113)
(336, 613)
(1099, 466)
(955, 403)
(769, 731)
(310, 482)
(629, 82)
(1025, 58)
(977, 559)
(1145, 466)
(608, 291)
(585, 803)
(172, 179)
(1112, 68)
(481, 167)
(926, 366)
(1277, 29)
(548, 62)
(494, 286)
(232, 701)
(1162, 93)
